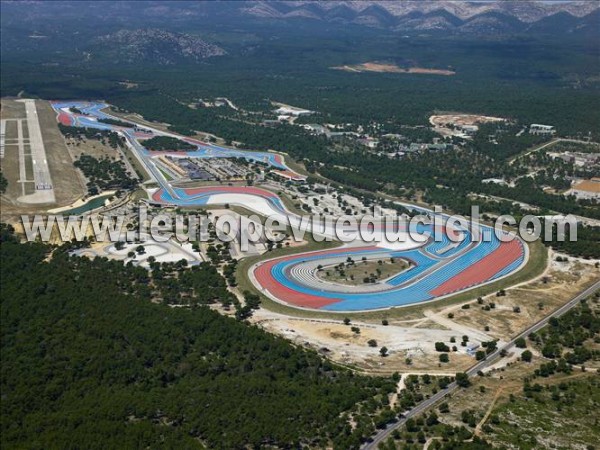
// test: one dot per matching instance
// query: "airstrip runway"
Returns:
(34, 173)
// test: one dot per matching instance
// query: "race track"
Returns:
(438, 269)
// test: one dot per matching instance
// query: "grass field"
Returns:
(10, 163)
(289, 203)
(11, 109)
(10, 170)
(137, 165)
(165, 174)
(91, 147)
(355, 274)
(293, 165)
(67, 184)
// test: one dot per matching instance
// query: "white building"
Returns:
(495, 181)
(291, 111)
(315, 128)
(536, 128)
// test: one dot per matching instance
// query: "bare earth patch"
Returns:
(392, 68)
(128, 84)
(452, 124)
(350, 344)
(525, 305)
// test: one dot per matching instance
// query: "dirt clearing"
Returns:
(392, 68)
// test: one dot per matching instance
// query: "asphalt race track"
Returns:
(438, 268)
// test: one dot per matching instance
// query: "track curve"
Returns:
(439, 268)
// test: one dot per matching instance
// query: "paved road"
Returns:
(138, 151)
(552, 142)
(384, 434)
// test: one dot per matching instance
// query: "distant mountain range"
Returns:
(525, 10)
(501, 16)
(455, 16)
(168, 32)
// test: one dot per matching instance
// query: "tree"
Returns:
(551, 350)
(441, 347)
(411, 425)
(490, 346)
(383, 351)
(526, 356)
(521, 343)
(432, 419)
(462, 380)
(444, 358)
(346, 321)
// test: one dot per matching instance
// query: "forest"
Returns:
(104, 174)
(565, 341)
(587, 244)
(105, 136)
(88, 361)
(167, 143)
(531, 78)
(116, 122)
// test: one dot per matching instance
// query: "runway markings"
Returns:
(35, 159)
